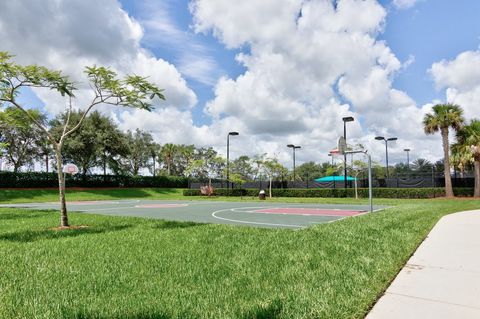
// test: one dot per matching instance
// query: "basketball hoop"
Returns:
(70, 169)
(335, 152)
(341, 145)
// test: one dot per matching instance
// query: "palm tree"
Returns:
(469, 139)
(461, 156)
(168, 153)
(421, 165)
(444, 116)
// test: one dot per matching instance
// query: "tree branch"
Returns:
(34, 120)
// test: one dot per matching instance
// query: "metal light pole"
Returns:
(408, 157)
(390, 139)
(228, 156)
(293, 147)
(345, 120)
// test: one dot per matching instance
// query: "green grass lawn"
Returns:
(140, 268)
(51, 195)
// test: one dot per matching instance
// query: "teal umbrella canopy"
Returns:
(326, 179)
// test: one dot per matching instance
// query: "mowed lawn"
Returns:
(51, 195)
(140, 268)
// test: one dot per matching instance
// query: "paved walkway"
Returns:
(442, 279)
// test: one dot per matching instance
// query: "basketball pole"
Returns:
(342, 148)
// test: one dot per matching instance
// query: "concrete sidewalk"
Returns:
(442, 279)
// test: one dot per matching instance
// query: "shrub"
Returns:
(339, 192)
(41, 179)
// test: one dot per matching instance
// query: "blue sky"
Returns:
(297, 78)
(430, 31)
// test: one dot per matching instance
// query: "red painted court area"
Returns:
(310, 211)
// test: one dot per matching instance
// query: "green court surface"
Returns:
(258, 214)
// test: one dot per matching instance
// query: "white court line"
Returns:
(316, 215)
(245, 222)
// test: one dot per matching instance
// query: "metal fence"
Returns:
(400, 181)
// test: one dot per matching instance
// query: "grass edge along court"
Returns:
(126, 267)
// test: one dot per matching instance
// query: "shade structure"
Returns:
(327, 179)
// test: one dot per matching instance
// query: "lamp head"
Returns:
(392, 139)
(407, 150)
(348, 119)
(380, 138)
(233, 133)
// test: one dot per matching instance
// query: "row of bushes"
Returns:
(340, 192)
(42, 180)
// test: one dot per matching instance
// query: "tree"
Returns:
(241, 166)
(206, 168)
(356, 169)
(402, 168)
(20, 140)
(168, 153)
(107, 89)
(139, 150)
(45, 150)
(421, 165)
(184, 156)
(469, 138)
(155, 149)
(273, 169)
(444, 116)
(311, 170)
(98, 141)
(461, 156)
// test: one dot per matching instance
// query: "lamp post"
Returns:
(408, 157)
(390, 139)
(345, 120)
(293, 147)
(228, 156)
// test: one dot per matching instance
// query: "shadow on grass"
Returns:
(27, 236)
(171, 224)
(270, 311)
(22, 215)
(13, 194)
(137, 316)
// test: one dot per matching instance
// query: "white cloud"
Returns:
(461, 79)
(404, 4)
(194, 59)
(69, 35)
(301, 59)
(308, 64)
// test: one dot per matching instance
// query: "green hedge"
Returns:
(340, 192)
(42, 180)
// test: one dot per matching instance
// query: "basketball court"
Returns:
(256, 214)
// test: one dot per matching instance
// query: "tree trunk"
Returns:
(270, 188)
(446, 163)
(476, 192)
(46, 162)
(153, 166)
(16, 166)
(61, 189)
(104, 165)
